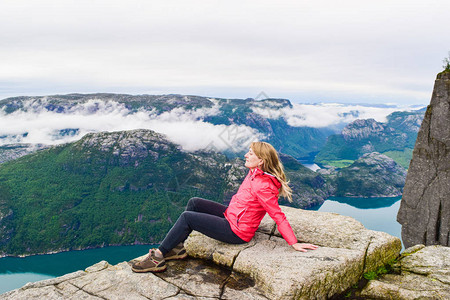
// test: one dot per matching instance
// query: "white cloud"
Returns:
(37, 124)
(328, 114)
(182, 127)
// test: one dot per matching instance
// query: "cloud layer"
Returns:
(35, 124)
(329, 114)
(38, 125)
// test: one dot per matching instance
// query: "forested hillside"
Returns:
(395, 139)
(117, 188)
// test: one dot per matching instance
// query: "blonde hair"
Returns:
(273, 166)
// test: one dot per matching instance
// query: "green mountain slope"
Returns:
(108, 188)
(117, 188)
(395, 139)
(372, 175)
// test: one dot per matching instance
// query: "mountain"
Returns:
(113, 188)
(372, 175)
(259, 116)
(127, 187)
(394, 138)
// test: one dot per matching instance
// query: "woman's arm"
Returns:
(268, 198)
(269, 201)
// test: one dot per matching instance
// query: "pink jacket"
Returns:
(257, 195)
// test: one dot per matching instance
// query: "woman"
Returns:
(237, 223)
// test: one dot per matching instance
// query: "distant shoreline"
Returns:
(68, 250)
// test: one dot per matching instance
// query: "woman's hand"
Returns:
(303, 247)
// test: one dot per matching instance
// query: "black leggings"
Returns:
(204, 216)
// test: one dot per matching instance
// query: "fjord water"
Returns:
(374, 213)
(17, 271)
(378, 214)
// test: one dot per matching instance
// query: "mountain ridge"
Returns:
(262, 115)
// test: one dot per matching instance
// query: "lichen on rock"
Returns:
(423, 273)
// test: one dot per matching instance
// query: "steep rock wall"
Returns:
(425, 207)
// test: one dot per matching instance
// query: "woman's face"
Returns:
(251, 160)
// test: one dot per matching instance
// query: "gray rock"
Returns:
(347, 251)
(431, 261)
(102, 281)
(14, 151)
(425, 207)
(362, 129)
(283, 273)
(424, 274)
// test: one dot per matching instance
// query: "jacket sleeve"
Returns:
(268, 198)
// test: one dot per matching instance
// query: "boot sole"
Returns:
(153, 270)
(176, 257)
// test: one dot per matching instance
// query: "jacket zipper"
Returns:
(240, 215)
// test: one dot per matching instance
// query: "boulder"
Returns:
(425, 206)
(347, 251)
(265, 268)
(424, 274)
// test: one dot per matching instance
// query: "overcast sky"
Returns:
(307, 51)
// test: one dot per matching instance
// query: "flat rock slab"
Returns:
(186, 279)
(424, 274)
(102, 281)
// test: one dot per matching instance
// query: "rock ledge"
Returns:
(265, 268)
(423, 273)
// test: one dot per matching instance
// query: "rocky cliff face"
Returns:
(256, 271)
(425, 207)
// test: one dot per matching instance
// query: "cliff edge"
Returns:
(425, 206)
(264, 268)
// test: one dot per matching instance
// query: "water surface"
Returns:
(17, 271)
(378, 214)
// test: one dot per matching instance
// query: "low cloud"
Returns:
(35, 125)
(328, 114)
(38, 122)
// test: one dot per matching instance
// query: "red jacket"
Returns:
(257, 195)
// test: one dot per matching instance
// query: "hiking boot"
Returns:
(176, 253)
(151, 263)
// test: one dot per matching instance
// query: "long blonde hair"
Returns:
(272, 165)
